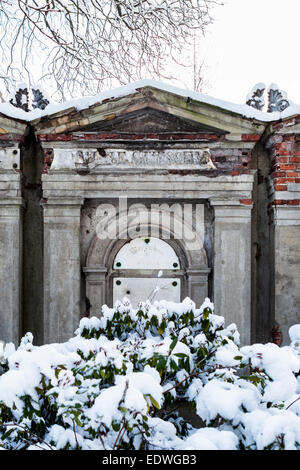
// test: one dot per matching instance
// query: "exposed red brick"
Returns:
(239, 166)
(277, 125)
(278, 202)
(250, 137)
(277, 174)
(209, 173)
(12, 137)
(285, 152)
(282, 159)
(280, 146)
(284, 202)
(54, 137)
(293, 202)
(115, 136)
(289, 138)
(279, 187)
(284, 180)
(48, 159)
(246, 202)
(294, 159)
(292, 174)
(287, 167)
(289, 146)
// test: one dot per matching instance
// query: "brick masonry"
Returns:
(284, 151)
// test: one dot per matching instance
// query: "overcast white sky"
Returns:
(253, 41)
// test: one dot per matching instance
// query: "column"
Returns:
(232, 265)
(61, 268)
(10, 268)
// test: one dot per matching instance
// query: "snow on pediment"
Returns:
(109, 98)
(83, 110)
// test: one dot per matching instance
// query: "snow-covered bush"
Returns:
(122, 381)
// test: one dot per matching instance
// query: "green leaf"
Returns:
(154, 402)
(77, 421)
(116, 426)
(173, 344)
(181, 355)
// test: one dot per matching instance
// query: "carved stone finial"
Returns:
(21, 98)
(39, 101)
(28, 99)
(278, 100)
(255, 98)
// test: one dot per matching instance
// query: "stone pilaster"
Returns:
(10, 268)
(197, 281)
(286, 256)
(284, 196)
(95, 288)
(61, 268)
(232, 264)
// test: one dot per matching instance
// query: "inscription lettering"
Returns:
(150, 159)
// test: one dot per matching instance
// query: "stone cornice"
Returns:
(68, 184)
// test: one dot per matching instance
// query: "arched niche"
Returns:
(101, 270)
(146, 268)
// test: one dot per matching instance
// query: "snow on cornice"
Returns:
(80, 104)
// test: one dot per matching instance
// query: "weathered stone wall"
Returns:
(152, 147)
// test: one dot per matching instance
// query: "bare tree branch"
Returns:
(84, 46)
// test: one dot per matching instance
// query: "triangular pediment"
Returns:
(148, 110)
(149, 120)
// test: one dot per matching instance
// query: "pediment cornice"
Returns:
(179, 113)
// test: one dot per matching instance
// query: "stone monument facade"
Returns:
(92, 198)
